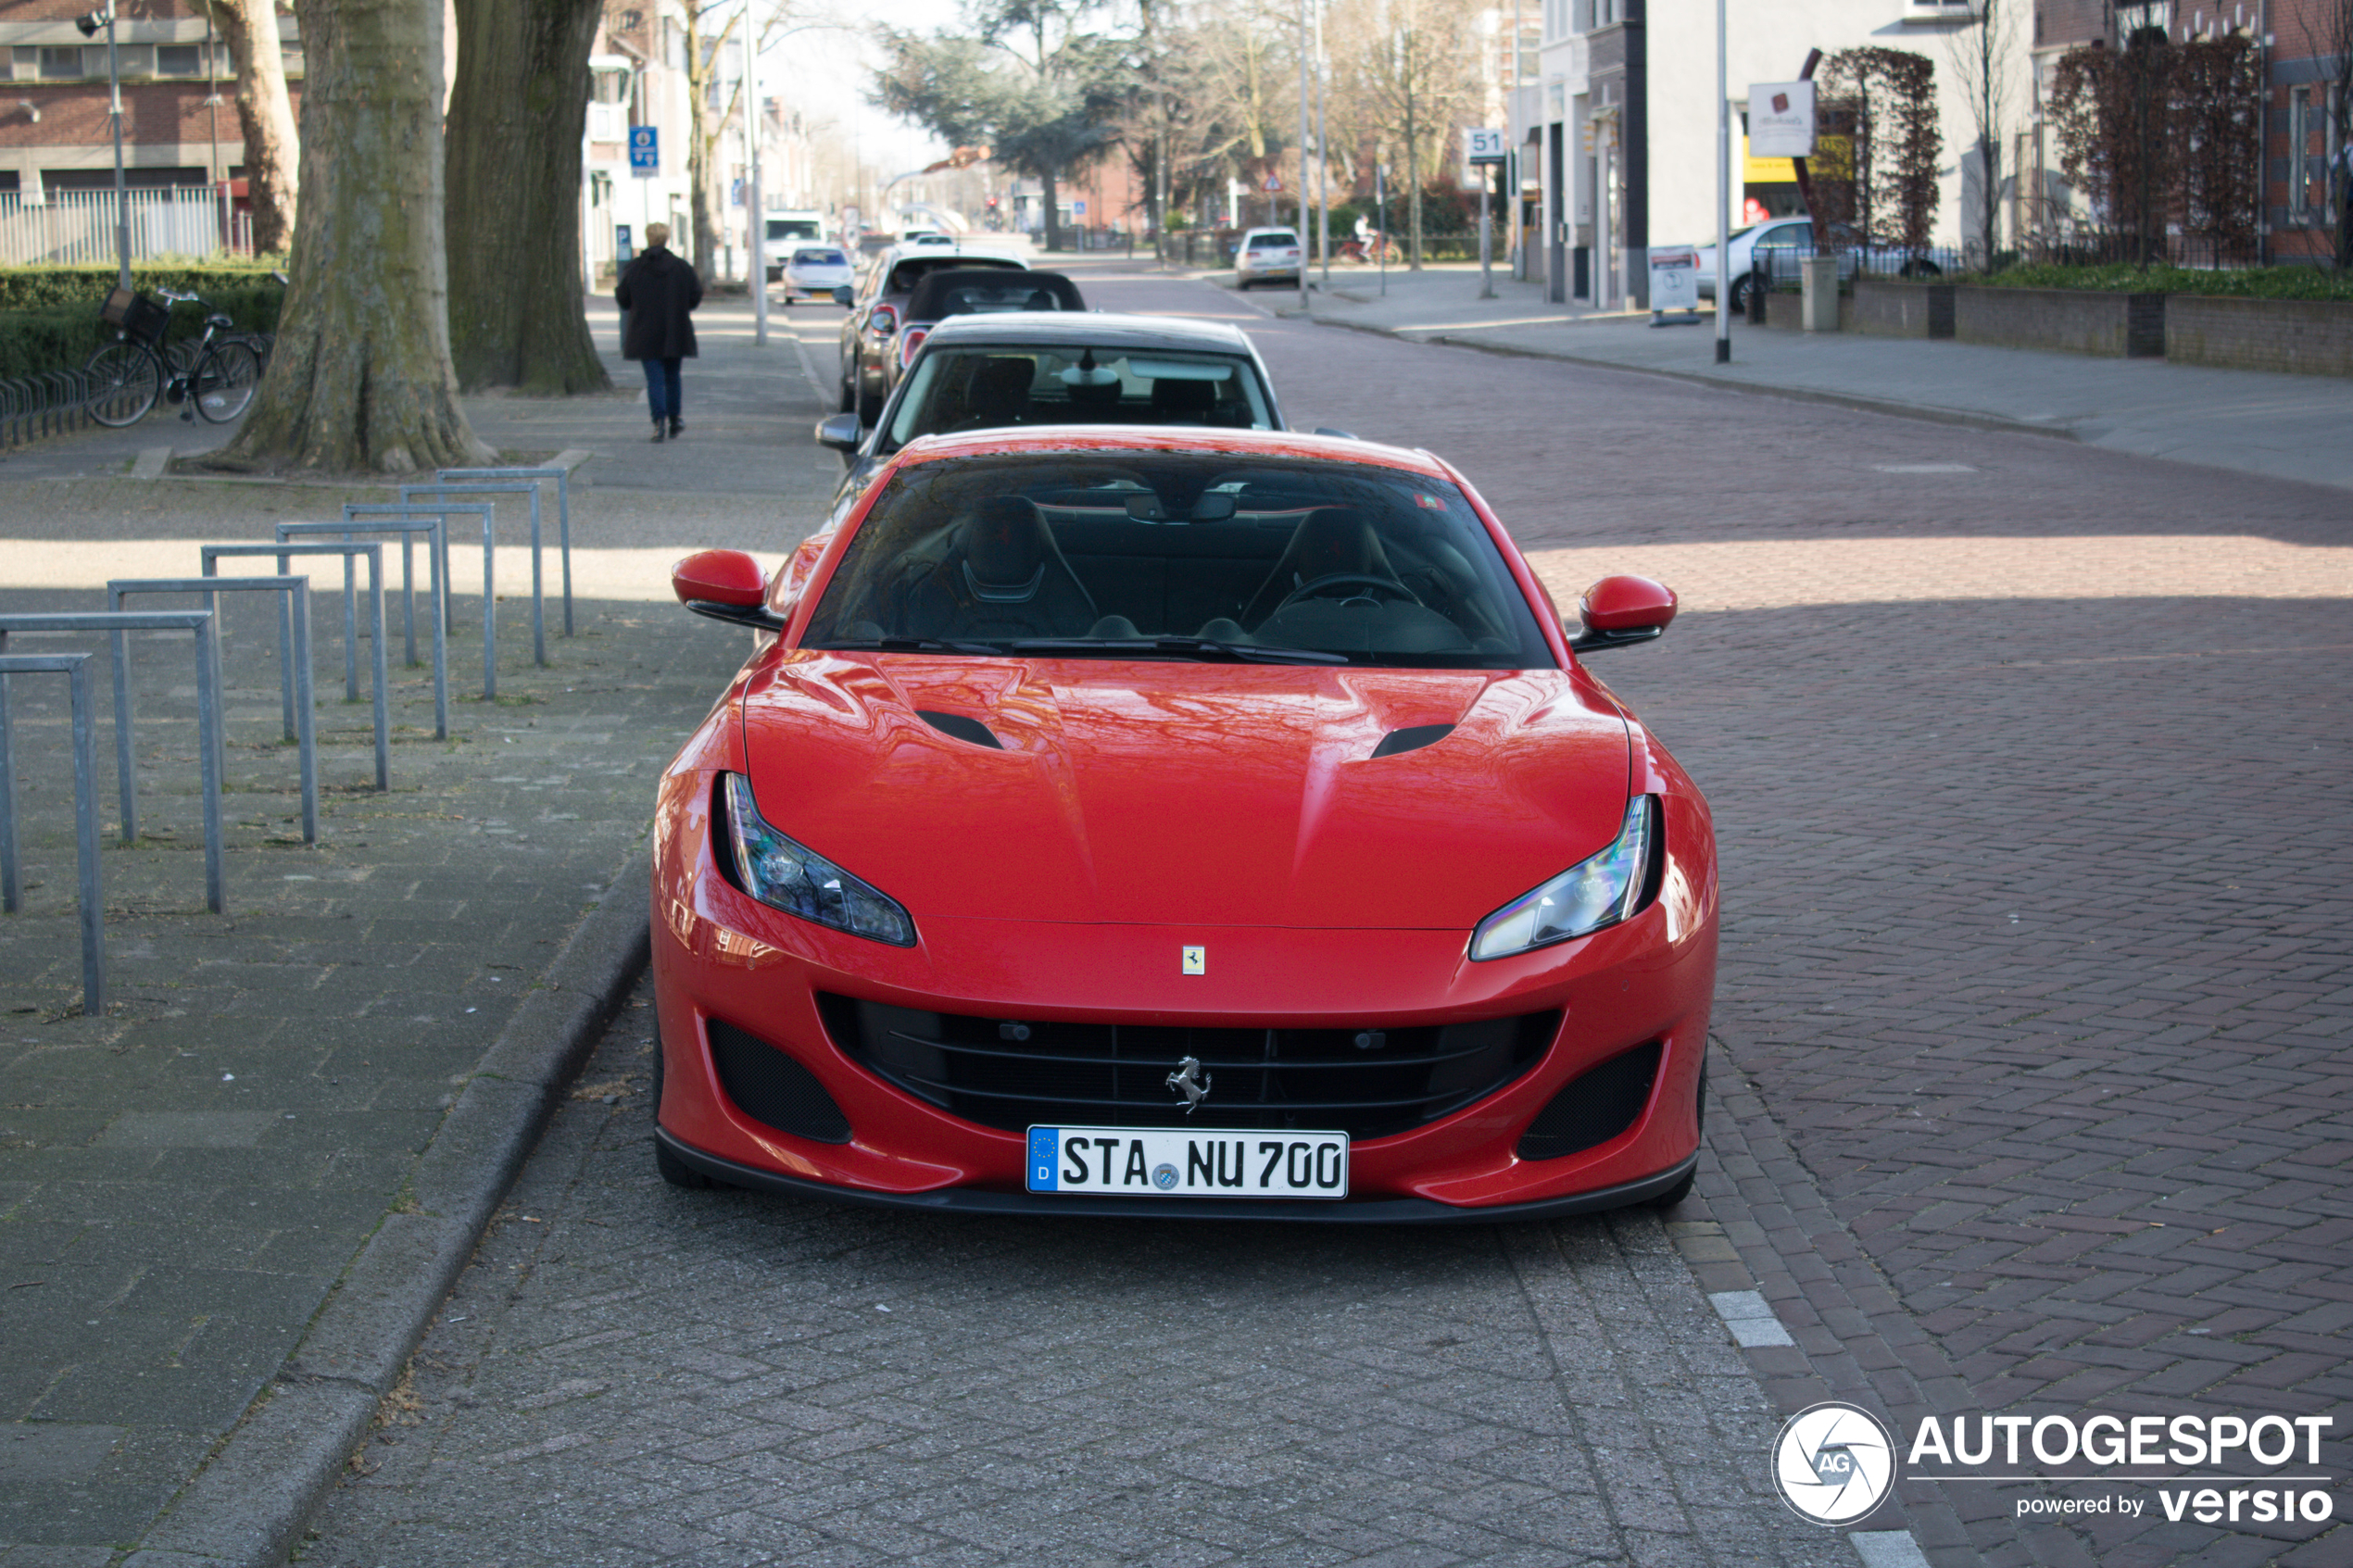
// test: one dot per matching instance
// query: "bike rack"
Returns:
(538, 599)
(294, 669)
(407, 532)
(486, 511)
(374, 555)
(563, 514)
(75, 667)
(209, 745)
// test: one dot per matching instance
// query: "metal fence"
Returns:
(77, 228)
(1779, 264)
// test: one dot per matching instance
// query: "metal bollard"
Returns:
(294, 670)
(75, 667)
(210, 747)
(373, 554)
(563, 514)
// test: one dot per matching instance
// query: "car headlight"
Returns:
(1596, 892)
(799, 880)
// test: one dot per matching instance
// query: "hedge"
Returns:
(49, 315)
(2253, 282)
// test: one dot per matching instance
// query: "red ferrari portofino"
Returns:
(1184, 822)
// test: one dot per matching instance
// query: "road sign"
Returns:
(645, 151)
(1274, 182)
(1078, 209)
(1483, 146)
(1674, 278)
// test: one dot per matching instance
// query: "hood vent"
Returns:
(974, 733)
(1412, 739)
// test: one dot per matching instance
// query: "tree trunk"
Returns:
(1053, 228)
(359, 380)
(512, 216)
(1414, 180)
(1989, 161)
(265, 116)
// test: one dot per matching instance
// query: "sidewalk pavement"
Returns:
(2280, 426)
(228, 1204)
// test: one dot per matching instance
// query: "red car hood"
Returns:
(1181, 793)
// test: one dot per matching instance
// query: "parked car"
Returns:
(994, 371)
(817, 271)
(963, 291)
(1203, 823)
(1773, 249)
(1266, 256)
(877, 303)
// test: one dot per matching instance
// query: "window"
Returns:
(64, 62)
(178, 59)
(131, 59)
(2299, 151)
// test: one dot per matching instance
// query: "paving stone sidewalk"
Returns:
(184, 1179)
(2279, 426)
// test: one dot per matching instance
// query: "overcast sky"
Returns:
(824, 74)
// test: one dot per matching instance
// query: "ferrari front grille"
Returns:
(1367, 1080)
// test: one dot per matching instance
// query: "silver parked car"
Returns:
(817, 270)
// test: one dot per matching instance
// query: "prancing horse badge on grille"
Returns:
(1191, 1082)
(1194, 960)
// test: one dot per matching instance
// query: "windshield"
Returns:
(983, 388)
(1272, 242)
(819, 259)
(793, 228)
(1153, 554)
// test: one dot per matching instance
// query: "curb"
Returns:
(1990, 422)
(248, 1505)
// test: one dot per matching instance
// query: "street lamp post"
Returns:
(89, 23)
(1302, 154)
(1723, 200)
(756, 221)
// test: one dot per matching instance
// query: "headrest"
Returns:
(1005, 547)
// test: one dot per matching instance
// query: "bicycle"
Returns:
(216, 378)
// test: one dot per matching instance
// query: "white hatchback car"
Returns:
(1266, 256)
(817, 270)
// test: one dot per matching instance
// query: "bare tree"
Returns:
(1981, 56)
(265, 115)
(1410, 66)
(359, 380)
(516, 113)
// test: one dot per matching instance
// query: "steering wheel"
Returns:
(1315, 590)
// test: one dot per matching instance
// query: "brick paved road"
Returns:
(2031, 767)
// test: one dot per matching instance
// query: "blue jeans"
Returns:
(662, 389)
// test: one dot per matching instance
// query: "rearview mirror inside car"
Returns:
(838, 431)
(1620, 611)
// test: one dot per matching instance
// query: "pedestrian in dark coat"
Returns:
(658, 290)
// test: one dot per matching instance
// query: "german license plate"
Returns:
(1171, 1162)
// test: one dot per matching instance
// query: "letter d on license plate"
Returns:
(1167, 1163)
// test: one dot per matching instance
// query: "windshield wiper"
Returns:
(1192, 647)
(914, 645)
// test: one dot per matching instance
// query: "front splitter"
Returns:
(1378, 1211)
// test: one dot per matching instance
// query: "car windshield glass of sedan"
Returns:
(908, 273)
(1273, 242)
(819, 259)
(1179, 555)
(988, 388)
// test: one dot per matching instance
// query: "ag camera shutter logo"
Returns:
(1833, 1463)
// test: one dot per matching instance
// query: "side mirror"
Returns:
(1621, 611)
(842, 295)
(839, 431)
(725, 585)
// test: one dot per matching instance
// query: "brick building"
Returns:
(180, 126)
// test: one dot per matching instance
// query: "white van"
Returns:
(787, 231)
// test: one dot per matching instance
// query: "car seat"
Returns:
(1329, 540)
(1002, 576)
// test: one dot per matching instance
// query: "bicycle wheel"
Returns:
(224, 381)
(125, 380)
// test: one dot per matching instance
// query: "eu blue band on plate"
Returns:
(1045, 1157)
